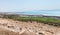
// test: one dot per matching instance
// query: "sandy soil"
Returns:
(13, 27)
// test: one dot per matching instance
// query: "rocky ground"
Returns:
(13, 27)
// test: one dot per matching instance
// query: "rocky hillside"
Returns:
(13, 27)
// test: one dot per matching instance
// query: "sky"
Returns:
(28, 5)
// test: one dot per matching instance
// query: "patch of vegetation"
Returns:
(50, 21)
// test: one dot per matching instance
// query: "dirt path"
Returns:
(28, 28)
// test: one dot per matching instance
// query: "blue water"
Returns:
(49, 13)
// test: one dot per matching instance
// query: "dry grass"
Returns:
(7, 32)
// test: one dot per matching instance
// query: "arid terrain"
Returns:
(13, 27)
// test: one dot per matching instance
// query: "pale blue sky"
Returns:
(28, 5)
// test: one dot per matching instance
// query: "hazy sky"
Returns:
(28, 5)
